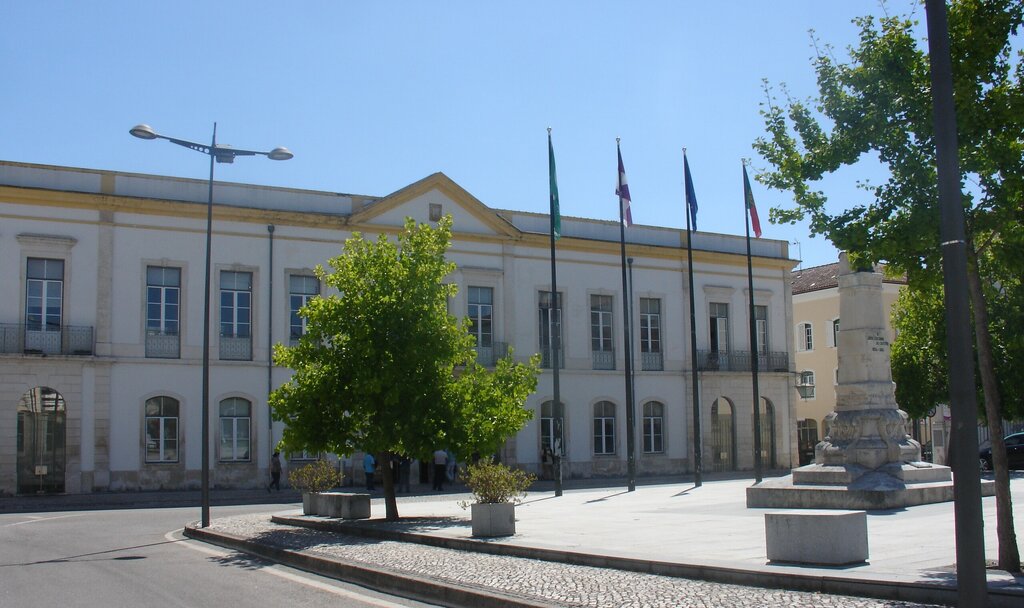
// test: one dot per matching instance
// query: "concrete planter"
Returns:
(345, 505)
(493, 519)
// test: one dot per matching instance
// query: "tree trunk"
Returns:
(390, 502)
(1009, 557)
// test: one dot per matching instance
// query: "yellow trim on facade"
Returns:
(358, 222)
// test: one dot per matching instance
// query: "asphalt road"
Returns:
(137, 557)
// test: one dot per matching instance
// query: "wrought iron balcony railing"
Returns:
(46, 340)
(741, 361)
(651, 362)
(603, 359)
(546, 357)
(236, 348)
(488, 355)
(162, 344)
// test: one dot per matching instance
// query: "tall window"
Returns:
(301, 289)
(807, 438)
(806, 386)
(550, 315)
(835, 332)
(163, 307)
(235, 425)
(719, 327)
(761, 323)
(481, 309)
(161, 429)
(551, 420)
(654, 417)
(650, 334)
(44, 295)
(601, 332)
(236, 315)
(604, 427)
(805, 336)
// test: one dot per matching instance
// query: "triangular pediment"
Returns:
(432, 193)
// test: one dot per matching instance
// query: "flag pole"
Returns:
(623, 193)
(748, 202)
(556, 305)
(691, 203)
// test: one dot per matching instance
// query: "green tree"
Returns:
(384, 369)
(877, 106)
(919, 366)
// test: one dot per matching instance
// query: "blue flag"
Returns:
(691, 196)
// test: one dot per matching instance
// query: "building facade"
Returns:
(101, 327)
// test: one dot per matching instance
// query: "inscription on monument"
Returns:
(877, 343)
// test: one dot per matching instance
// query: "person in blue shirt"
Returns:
(369, 467)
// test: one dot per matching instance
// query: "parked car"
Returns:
(1014, 453)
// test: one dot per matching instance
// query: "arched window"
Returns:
(162, 429)
(807, 438)
(654, 423)
(723, 444)
(767, 415)
(604, 427)
(235, 427)
(551, 421)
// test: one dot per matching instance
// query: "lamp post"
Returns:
(220, 154)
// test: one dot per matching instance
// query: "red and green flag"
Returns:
(748, 197)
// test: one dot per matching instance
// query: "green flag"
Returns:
(556, 218)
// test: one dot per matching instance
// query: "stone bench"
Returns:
(345, 505)
(824, 537)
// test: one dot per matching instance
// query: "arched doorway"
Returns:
(723, 445)
(42, 449)
(767, 434)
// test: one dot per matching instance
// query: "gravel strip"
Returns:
(553, 583)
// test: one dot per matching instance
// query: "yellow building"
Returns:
(815, 326)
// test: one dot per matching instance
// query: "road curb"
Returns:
(943, 592)
(403, 585)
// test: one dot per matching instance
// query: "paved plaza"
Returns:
(706, 535)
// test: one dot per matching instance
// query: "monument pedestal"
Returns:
(867, 460)
(923, 483)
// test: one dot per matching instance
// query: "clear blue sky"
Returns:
(371, 96)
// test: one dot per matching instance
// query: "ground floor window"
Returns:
(654, 416)
(235, 425)
(604, 427)
(162, 429)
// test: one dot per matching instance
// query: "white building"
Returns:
(101, 329)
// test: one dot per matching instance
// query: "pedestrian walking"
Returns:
(440, 465)
(547, 459)
(275, 472)
(369, 468)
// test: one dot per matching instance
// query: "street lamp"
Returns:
(221, 154)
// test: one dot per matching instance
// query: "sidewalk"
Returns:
(674, 530)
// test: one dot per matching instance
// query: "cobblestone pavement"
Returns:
(539, 581)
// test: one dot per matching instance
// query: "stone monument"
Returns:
(867, 460)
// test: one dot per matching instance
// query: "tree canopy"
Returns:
(877, 107)
(384, 368)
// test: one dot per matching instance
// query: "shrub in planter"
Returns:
(493, 483)
(496, 489)
(314, 478)
(318, 476)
